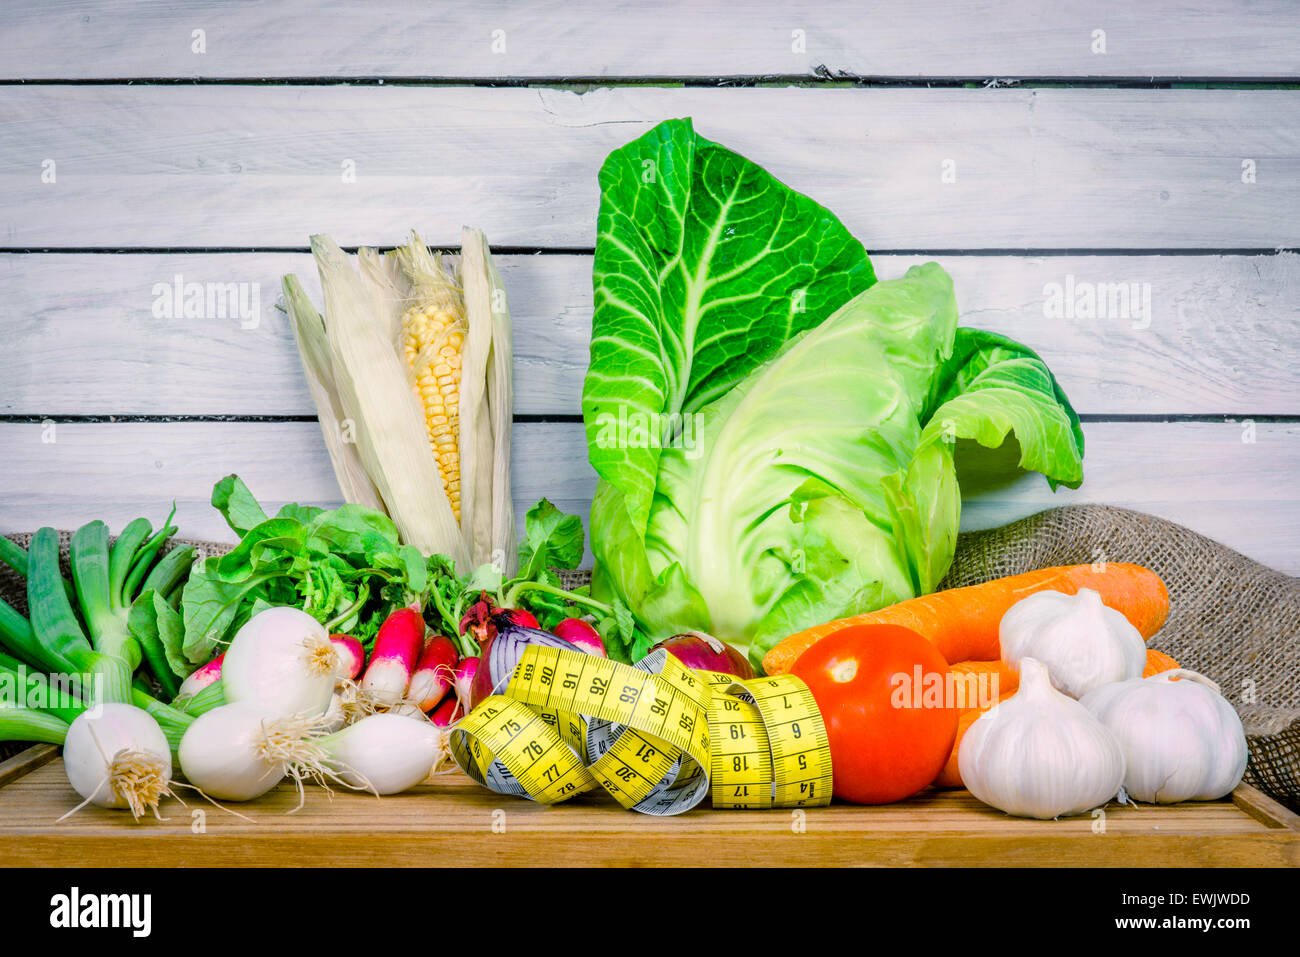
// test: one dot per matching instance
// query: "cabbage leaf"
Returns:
(810, 473)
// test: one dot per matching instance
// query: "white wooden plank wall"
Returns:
(1232, 480)
(1079, 159)
(671, 38)
(1212, 318)
(241, 166)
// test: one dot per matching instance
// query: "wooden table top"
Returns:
(452, 822)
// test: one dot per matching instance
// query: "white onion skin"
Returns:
(386, 753)
(335, 716)
(93, 740)
(267, 668)
(217, 754)
(1182, 740)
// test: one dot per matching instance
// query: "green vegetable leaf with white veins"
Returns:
(705, 267)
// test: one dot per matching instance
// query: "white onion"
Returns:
(116, 756)
(237, 753)
(386, 753)
(281, 663)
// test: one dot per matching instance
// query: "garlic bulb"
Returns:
(1182, 740)
(1083, 643)
(1040, 754)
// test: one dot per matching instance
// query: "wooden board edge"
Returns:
(1271, 848)
(25, 762)
(1265, 809)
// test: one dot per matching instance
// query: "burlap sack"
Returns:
(1230, 618)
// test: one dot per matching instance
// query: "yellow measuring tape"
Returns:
(657, 736)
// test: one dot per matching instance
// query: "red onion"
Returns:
(703, 652)
(583, 634)
(502, 651)
(483, 619)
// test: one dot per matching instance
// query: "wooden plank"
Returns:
(259, 166)
(25, 762)
(1264, 809)
(1200, 474)
(452, 821)
(677, 38)
(1217, 337)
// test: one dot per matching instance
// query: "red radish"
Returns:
(447, 712)
(464, 681)
(209, 674)
(583, 634)
(352, 657)
(705, 653)
(434, 672)
(397, 649)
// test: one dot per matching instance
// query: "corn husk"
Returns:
(357, 374)
(501, 406)
(372, 389)
(476, 447)
(313, 347)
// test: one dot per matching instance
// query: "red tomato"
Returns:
(882, 691)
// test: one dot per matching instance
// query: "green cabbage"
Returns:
(774, 430)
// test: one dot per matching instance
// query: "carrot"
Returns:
(950, 776)
(986, 680)
(1008, 682)
(1158, 661)
(963, 622)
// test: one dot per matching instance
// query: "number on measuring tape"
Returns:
(656, 736)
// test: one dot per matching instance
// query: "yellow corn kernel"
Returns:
(433, 334)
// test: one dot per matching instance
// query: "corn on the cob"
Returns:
(411, 367)
(433, 334)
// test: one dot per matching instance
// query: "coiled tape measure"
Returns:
(657, 736)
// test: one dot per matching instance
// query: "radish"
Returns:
(386, 753)
(517, 616)
(205, 676)
(352, 657)
(117, 756)
(397, 648)
(464, 681)
(581, 633)
(445, 715)
(281, 662)
(434, 673)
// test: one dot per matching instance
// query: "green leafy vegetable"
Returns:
(551, 539)
(235, 502)
(705, 266)
(344, 566)
(816, 478)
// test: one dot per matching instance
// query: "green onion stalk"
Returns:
(35, 707)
